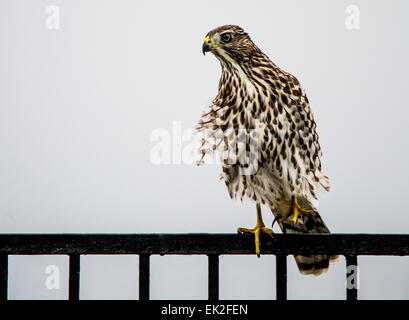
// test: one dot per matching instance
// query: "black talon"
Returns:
(279, 216)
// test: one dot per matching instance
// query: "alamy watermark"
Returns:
(52, 19)
(353, 17)
(352, 277)
(210, 146)
(52, 282)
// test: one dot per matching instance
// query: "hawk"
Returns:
(262, 126)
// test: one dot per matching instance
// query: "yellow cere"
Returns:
(209, 42)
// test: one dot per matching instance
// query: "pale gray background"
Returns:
(78, 106)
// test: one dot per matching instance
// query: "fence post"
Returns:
(3, 276)
(74, 278)
(352, 291)
(281, 277)
(144, 275)
(213, 278)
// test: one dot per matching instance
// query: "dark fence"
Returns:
(212, 245)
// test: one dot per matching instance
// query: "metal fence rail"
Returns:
(212, 245)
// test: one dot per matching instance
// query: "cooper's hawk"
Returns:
(261, 124)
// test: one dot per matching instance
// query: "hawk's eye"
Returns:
(226, 37)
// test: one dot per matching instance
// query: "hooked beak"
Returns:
(206, 45)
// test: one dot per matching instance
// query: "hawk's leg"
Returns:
(260, 227)
(296, 210)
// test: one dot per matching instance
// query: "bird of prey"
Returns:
(261, 125)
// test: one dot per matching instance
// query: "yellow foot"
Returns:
(256, 231)
(296, 210)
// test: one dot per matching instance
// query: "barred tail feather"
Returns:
(311, 264)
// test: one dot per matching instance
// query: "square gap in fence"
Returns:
(328, 286)
(245, 277)
(179, 277)
(383, 278)
(109, 277)
(37, 277)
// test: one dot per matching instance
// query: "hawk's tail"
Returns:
(311, 264)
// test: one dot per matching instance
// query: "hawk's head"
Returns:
(229, 43)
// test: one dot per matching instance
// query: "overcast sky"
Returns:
(85, 100)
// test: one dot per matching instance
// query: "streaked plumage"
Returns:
(262, 125)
